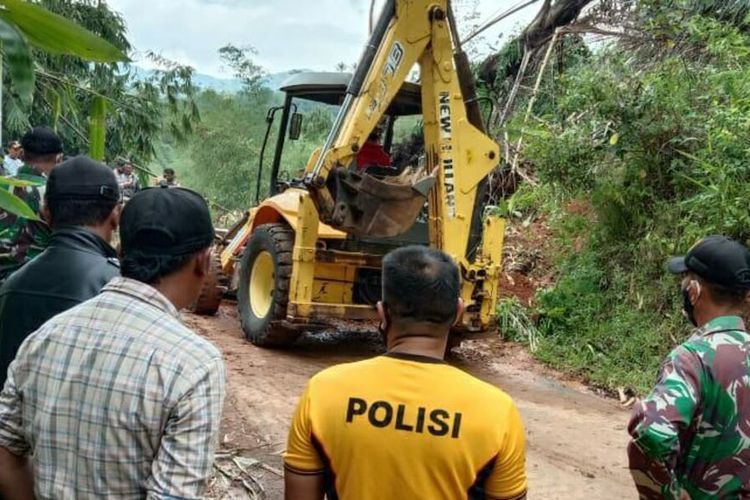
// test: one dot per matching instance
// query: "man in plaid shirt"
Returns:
(116, 398)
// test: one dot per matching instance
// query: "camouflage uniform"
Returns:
(21, 239)
(691, 435)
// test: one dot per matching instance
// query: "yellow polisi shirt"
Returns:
(402, 426)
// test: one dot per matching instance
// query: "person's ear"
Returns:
(46, 215)
(382, 315)
(202, 263)
(114, 217)
(694, 290)
(460, 308)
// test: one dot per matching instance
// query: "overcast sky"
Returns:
(288, 34)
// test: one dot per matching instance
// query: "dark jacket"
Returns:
(74, 268)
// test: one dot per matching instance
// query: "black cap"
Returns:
(41, 141)
(716, 259)
(82, 178)
(162, 221)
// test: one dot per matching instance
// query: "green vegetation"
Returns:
(645, 135)
(652, 138)
(221, 157)
(96, 106)
(24, 25)
(639, 145)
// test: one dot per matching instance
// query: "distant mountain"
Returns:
(229, 85)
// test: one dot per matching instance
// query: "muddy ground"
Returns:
(576, 439)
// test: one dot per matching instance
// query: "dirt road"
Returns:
(576, 439)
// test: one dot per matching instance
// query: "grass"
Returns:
(609, 323)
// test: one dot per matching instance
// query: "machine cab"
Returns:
(300, 91)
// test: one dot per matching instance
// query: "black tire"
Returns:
(265, 329)
(212, 291)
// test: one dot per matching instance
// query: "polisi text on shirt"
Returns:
(381, 414)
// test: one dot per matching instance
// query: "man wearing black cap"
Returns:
(116, 398)
(82, 204)
(691, 435)
(22, 239)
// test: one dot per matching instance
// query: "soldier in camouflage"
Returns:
(691, 435)
(22, 239)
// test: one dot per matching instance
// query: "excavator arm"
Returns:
(459, 155)
(284, 284)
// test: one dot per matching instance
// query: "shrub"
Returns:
(660, 150)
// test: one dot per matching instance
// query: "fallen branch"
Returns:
(530, 107)
(241, 480)
(246, 473)
(267, 467)
(516, 84)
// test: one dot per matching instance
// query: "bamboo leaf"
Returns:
(15, 182)
(98, 128)
(56, 34)
(18, 58)
(56, 109)
(14, 204)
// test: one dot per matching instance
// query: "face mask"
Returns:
(688, 309)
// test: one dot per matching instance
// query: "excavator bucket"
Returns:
(368, 205)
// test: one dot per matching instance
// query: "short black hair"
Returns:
(67, 212)
(169, 171)
(29, 156)
(421, 284)
(148, 268)
(41, 142)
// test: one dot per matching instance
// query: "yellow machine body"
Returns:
(458, 155)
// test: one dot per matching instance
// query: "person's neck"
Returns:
(104, 232)
(173, 288)
(40, 168)
(707, 316)
(420, 345)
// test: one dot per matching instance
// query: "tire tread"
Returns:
(274, 333)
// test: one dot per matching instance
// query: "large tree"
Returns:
(70, 91)
(26, 24)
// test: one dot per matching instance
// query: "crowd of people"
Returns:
(107, 394)
(32, 159)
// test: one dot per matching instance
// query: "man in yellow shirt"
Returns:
(407, 425)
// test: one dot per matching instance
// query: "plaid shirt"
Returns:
(115, 398)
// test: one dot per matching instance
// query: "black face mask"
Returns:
(688, 307)
(383, 327)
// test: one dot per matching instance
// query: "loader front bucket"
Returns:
(381, 207)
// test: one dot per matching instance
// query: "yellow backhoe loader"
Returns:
(310, 253)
